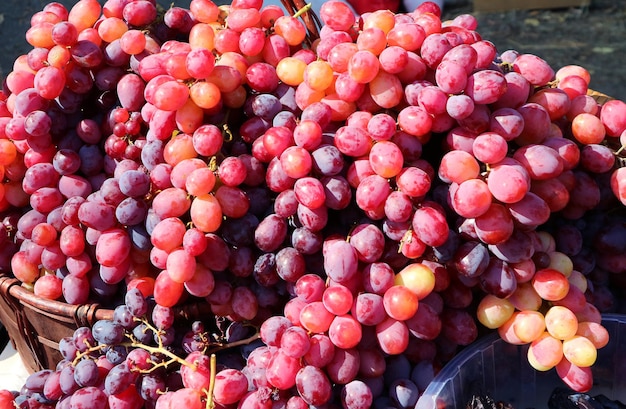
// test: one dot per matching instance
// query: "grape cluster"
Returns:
(366, 200)
(140, 358)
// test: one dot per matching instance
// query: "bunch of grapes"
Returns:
(363, 199)
(139, 357)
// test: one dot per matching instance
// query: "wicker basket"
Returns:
(36, 325)
(599, 96)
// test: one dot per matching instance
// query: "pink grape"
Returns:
(536, 70)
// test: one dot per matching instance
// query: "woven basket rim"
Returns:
(81, 313)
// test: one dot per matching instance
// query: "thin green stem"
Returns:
(160, 350)
(209, 393)
(81, 355)
(302, 10)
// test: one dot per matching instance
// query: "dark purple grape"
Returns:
(143, 334)
(36, 381)
(116, 354)
(107, 332)
(86, 372)
(167, 337)
(83, 338)
(118, 379)
(197, 327)
(162, 317)
(194, 342)
(136, 302)
(68, 348)
(123, 316)
(498, 279)
(66, 380)
(266, 106)
(152, 386)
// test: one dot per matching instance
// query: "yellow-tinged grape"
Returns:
(363, 66)
(529, 325)
(578, 279)
(111, 29)
(507, 331)
(59, 56)
(40, 35)
(561, 323)
(291, 29)
(206, 213)
(202, 35)
(561, 262)
(525, 298)
(382, 19)
(84, 14)
(205, 94)
(204, 11)
(417, 278)
(178, 148)
(548, 244)
(493, 311)
(580, 351)
(23, 269)
(331, 88)
(290, 70)
(545, 352)
(318, 75)
(8, 152)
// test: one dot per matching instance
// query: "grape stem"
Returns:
(173, 358)
(209, 393)
(81, 355)
(159, 349)
(227, 134)
(302, 10)
(408, 236)
(213, 164)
